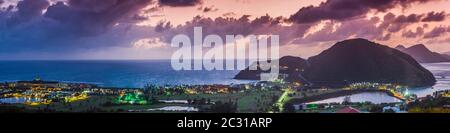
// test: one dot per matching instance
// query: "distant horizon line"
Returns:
(94, 59)
(75, 59)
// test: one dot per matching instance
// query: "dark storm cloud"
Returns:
(28, 9)
(180, 3)
(68, 27)
(435, 16)
(92, 17)
(346, 9)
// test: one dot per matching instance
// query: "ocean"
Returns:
(112, 73)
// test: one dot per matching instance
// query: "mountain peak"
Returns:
(360, 60)
(354, 44)
(349, 61)
(356, 41)
(419, 46)
(424, 55)
(447, 53)
(400, 47)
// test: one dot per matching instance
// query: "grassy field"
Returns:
(249, 101)
(258, 101)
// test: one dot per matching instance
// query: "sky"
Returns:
(143, 29)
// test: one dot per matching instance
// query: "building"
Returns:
(36, 83)
(348, 109)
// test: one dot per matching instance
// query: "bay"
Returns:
(113, 73)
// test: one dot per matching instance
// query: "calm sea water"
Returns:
(440, 70)
(374, 97)
(132, 73)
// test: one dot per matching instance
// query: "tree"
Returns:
(389, 111)
(376, 109)
(189, 101)
(227, 107)
(289, 108)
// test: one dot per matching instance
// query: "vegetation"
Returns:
(430, 105)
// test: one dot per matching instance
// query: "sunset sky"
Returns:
(142, 29)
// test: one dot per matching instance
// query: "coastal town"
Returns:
(279, 96)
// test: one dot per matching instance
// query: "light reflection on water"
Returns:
(113, 73)
(170, 108)
(374, 97)
(14, 100)
(441, 69)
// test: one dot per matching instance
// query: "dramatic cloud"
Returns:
(180, 3)
(223, 26)
(91, 17)
(208, 9)
(411, 34)
(435, 16)
(393, 23)
(28, 9)
(412, 18)
(346, 9)
(370, 28)
(149, 43)
(437, 32)
(79, 24)
(332, 31)
(162, 26)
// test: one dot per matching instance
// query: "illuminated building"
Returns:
(37, 83)
(348, 110)
(76, 97)
(131, 98)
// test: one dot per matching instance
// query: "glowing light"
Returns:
(76, 97)
(132, 98)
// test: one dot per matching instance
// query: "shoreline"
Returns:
(329, 95)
